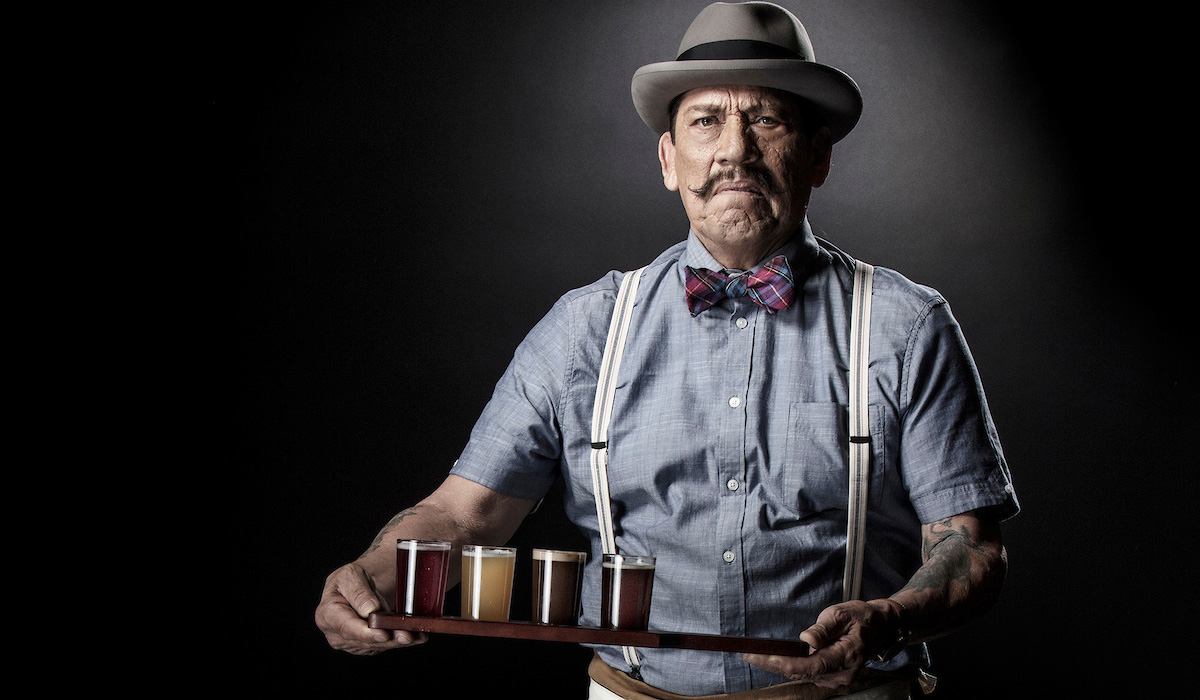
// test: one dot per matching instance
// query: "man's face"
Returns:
(744, 169)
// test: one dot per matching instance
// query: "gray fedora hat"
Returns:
(748, 43)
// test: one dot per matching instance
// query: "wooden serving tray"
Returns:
(650, 639)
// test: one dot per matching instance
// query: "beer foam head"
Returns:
(475, 550)
(612, 561)
(422, 545)
(558, 555)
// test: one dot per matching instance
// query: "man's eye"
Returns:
(705, 121)
(767, 121)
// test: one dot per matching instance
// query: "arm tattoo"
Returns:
(961, 574)
(949, 553)
(390, 524)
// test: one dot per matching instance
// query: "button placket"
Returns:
(729, 463)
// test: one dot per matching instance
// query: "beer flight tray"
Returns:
(580, 634)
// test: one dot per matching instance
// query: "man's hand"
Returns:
(349, 597)
(844, 637)
(960, 578)
(459, 511)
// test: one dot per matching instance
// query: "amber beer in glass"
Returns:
(487, 579)
(421, 568)
(626, 584)
(557, 584)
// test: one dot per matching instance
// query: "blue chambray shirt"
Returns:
(728, 455)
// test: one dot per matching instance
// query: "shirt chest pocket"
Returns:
(813, 476)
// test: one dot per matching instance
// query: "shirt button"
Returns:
(728, 556)
(732, 484)
(742, 323)
(735, 402)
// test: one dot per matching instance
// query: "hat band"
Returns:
(736, 49)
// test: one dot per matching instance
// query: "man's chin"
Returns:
(749, 222)
(742, 233)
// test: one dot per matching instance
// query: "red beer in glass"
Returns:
(421, 568)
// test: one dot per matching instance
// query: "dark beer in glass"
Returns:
(626, 585)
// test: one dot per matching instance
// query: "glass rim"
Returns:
(631, 558)
(488, 550)
(421, 544)
(541, 554)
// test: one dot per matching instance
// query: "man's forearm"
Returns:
(379, 560)
(395, 529)
(963, 572)
(459, 512)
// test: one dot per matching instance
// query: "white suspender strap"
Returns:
(606, 385)
(860, 430)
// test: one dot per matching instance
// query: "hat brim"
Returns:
(832, 91)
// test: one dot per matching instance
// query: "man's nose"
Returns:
(737, 143)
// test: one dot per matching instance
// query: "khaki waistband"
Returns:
(625, 686)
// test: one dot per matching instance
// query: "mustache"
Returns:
(763, 179)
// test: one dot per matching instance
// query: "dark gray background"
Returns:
(368, 158)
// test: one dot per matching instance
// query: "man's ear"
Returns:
(822, 147)
(666, 157)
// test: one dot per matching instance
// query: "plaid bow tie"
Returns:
(771, 287)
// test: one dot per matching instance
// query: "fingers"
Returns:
(819, 635)
(837, 648)
(821, 668)
(361, 597)
(391, 639)
(347, 601)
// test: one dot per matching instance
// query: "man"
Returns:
(728, 441)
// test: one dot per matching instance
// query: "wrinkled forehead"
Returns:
(737, 97)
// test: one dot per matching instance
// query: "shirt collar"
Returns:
(801, 250)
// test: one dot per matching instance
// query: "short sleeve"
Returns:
(951, 458)
(516, 444)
